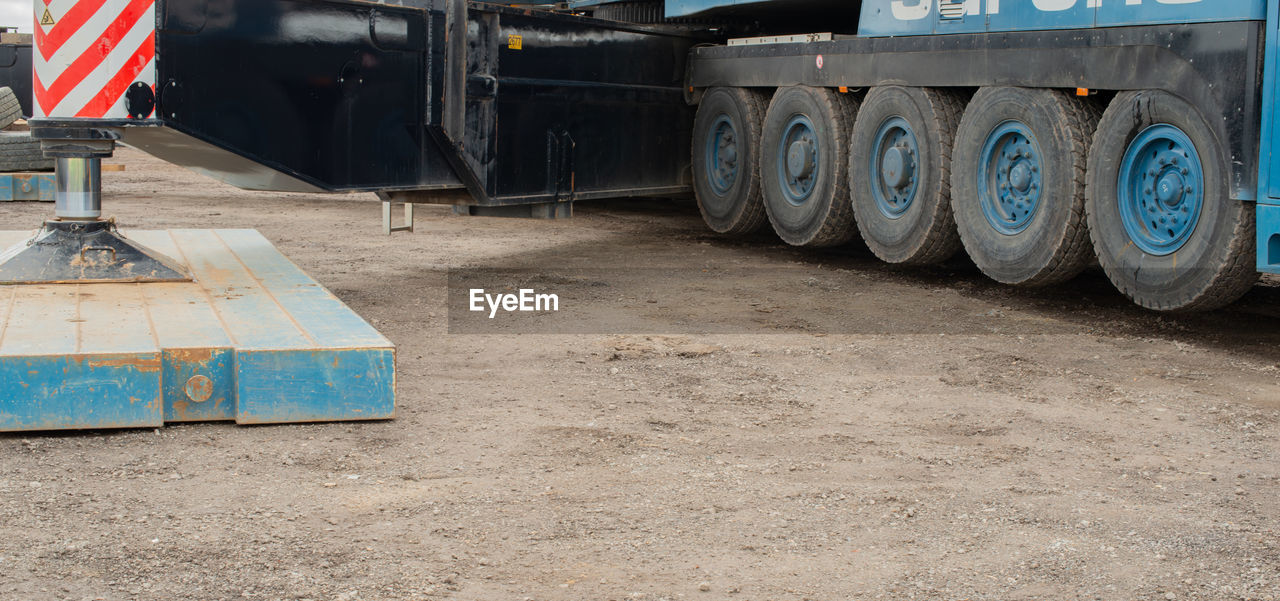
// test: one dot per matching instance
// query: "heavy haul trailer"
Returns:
(1032, 134)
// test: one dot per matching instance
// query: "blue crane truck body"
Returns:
(924, 17)
(1156, 115)
(1036, 136)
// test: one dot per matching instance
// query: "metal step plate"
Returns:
(253, 340)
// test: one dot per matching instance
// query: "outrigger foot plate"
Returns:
(83, 252)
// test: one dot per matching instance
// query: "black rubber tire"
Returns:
(10, 108)
(1216, 266)
(826, 218)
(740, 210)
(20, 152)
(1054, 247)
(926, 232)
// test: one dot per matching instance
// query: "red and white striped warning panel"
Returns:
(88, 53)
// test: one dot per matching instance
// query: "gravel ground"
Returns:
(702, 419)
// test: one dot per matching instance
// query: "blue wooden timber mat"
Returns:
(253, 340)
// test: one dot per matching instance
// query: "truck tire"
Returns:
(804, 164)
(900, 173)
(726, 165)
(1018, 184)
(1163, 223)
(10, 108)
(20, 152)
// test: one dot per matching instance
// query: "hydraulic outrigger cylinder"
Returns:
(78, 245)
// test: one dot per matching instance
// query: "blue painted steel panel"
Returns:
(252, 318)
(1269, 238)
(683, 8)
(60, 392)
(1268, 210)
(199, 384)
(254, 340)
(1269, 165)
(844, 10)
(26, 186)
(922, 17)
(1024, 15)
(315, 312)
(305, 386)
(1115, 13)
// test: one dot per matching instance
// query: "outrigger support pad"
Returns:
(79, 246)
(84, 252)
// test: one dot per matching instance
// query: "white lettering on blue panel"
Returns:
(916, 17)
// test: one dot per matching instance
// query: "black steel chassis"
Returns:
(433, 101)
(1217, 67)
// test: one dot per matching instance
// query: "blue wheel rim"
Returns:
(894, 167)
(722, 155)
(1010, 178)
(799, 156)
(1161, 190)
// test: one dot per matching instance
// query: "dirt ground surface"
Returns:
(734, 419)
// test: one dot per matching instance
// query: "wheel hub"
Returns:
(800, 158)
(1161, 190)
(1010, 178)
(894, 164)
(722, 155)
(1020, 176)
(799, 154)
(899, 167)
(1170, 190)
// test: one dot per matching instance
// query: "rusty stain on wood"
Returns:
(142, 365)
(191, 355)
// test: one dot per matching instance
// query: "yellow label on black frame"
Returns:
(515, 42)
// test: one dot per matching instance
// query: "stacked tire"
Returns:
(18, 150)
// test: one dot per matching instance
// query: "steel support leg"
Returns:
(78, 191)
(388, 227)
(78, 245)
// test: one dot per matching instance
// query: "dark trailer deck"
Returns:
(456, 103)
